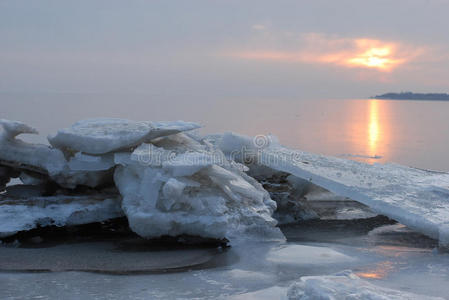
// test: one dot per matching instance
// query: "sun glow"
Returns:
(363, 53)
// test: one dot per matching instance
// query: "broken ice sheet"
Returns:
(417, 198)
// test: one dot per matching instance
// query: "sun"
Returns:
(380, 58)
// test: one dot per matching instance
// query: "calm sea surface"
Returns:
(414, 133)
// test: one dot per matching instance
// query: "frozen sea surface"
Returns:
(389, 256)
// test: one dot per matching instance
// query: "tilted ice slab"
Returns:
(103, 135)
(344, 285)
(416, 198)
(61, 210)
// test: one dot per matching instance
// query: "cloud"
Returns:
(258, 27)
(313, 48)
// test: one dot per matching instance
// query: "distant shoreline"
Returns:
(413, 96)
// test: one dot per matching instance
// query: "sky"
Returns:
(200, 49)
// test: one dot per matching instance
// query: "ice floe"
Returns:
(99, 136)
(344, 285)
(302, 255)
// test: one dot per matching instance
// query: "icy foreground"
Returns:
(169, 181)
(416, 198)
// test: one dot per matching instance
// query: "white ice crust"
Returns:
(22, 215)
(345, 285)
(99, 136)
(416, 198)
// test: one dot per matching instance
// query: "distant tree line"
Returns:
(413, 96)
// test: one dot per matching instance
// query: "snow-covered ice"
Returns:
(85, 162)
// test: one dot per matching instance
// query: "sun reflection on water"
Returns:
(379, 271)
(370, 130)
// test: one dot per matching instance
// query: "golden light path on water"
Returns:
(369, 131)
(374, 127)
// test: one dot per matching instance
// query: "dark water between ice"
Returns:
(414, 133)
